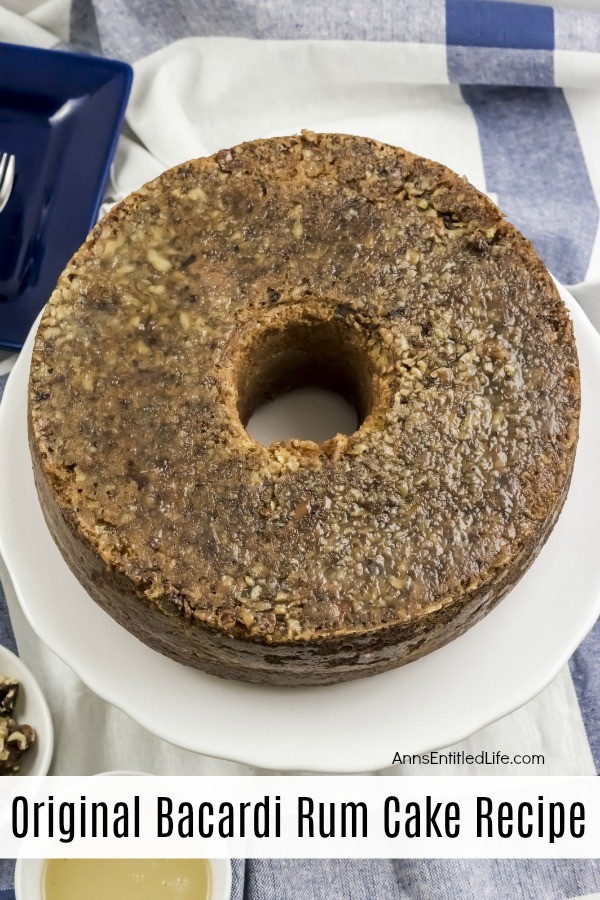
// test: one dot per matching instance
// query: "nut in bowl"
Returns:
(123, 879)
(26, 733)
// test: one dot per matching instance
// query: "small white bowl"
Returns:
(29, 879)
(31, 709)
(122, 773)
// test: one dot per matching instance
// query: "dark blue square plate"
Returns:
(60, 114)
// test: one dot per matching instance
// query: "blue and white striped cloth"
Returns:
(505, 93)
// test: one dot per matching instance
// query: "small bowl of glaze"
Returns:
(30, 878)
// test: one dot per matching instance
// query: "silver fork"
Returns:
(7, 177)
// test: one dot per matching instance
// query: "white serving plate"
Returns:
(31, 709)
(500, 664)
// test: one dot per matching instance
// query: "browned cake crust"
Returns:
(316, 258)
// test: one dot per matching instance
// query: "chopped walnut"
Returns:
(15, 740)
(9, 691)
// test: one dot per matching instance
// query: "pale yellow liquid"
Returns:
(126, 879)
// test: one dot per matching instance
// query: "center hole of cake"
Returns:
(305, 414)
(304, 381)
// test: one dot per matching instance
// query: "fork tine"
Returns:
(10, 170)
(7, 177)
